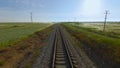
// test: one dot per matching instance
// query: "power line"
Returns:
(106, 15)
(31, 17)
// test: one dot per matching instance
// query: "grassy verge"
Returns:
(101, 48)
(37, 53)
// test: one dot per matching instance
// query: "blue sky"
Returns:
(58, 10)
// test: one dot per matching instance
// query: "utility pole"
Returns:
(31, 17)
(106, 13)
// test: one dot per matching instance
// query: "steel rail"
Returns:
(59, 37)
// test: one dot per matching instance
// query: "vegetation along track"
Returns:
(61, 52)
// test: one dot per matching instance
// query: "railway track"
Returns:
(62, 57)
(62, 52)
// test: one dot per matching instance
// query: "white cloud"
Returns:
(91, 7)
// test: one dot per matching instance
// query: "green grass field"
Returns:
(11, 33)
(112, 29)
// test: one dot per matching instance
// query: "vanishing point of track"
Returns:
(62, 52)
